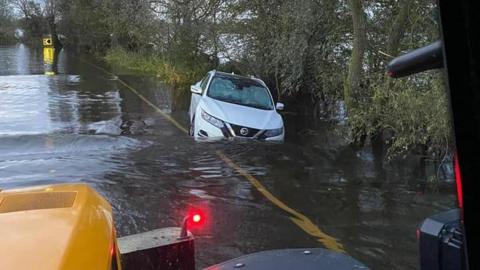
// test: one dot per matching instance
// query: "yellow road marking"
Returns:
(142, 97)
(302, 221)
(168, 117)
(299, 219)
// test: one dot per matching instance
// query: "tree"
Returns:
(32, 21)
(315, 53)
(355, 68)
(50, 13)
(7, 27)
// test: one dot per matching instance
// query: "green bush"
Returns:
(412, 114)
(168, 70)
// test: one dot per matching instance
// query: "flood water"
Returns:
(82, 125)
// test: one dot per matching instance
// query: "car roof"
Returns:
(233, 75)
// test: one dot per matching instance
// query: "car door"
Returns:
(197, 97)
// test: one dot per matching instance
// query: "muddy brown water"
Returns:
(81, 125)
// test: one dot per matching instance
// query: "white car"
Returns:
(225, 105)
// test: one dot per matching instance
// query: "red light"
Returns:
(458, 180)
(196, 218)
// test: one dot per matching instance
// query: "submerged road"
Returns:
(302, 221)
(125, 135)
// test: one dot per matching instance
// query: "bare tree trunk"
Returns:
(393, 44)
(50, 10)
(355, 69)
(398, 28)
(53, 31)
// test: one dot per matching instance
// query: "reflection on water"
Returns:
(81, 125)
(20, 59)
(37, 104)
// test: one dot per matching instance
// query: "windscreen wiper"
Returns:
(421, 59)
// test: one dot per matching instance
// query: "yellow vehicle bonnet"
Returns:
(66, 226)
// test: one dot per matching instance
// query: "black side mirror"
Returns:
(425, 58)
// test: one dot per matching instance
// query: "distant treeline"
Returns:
(315, 52)
(7, 23)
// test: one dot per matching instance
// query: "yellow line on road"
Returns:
(302, 221)
(168, 117)
(142, 97)
(299, 219)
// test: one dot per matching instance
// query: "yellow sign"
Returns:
(48, 54)
(47, 42)
(48, 58)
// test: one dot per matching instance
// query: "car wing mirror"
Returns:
(280, 106)
(196, 89)
(422, 59)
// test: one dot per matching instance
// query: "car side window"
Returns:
(204, 83)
